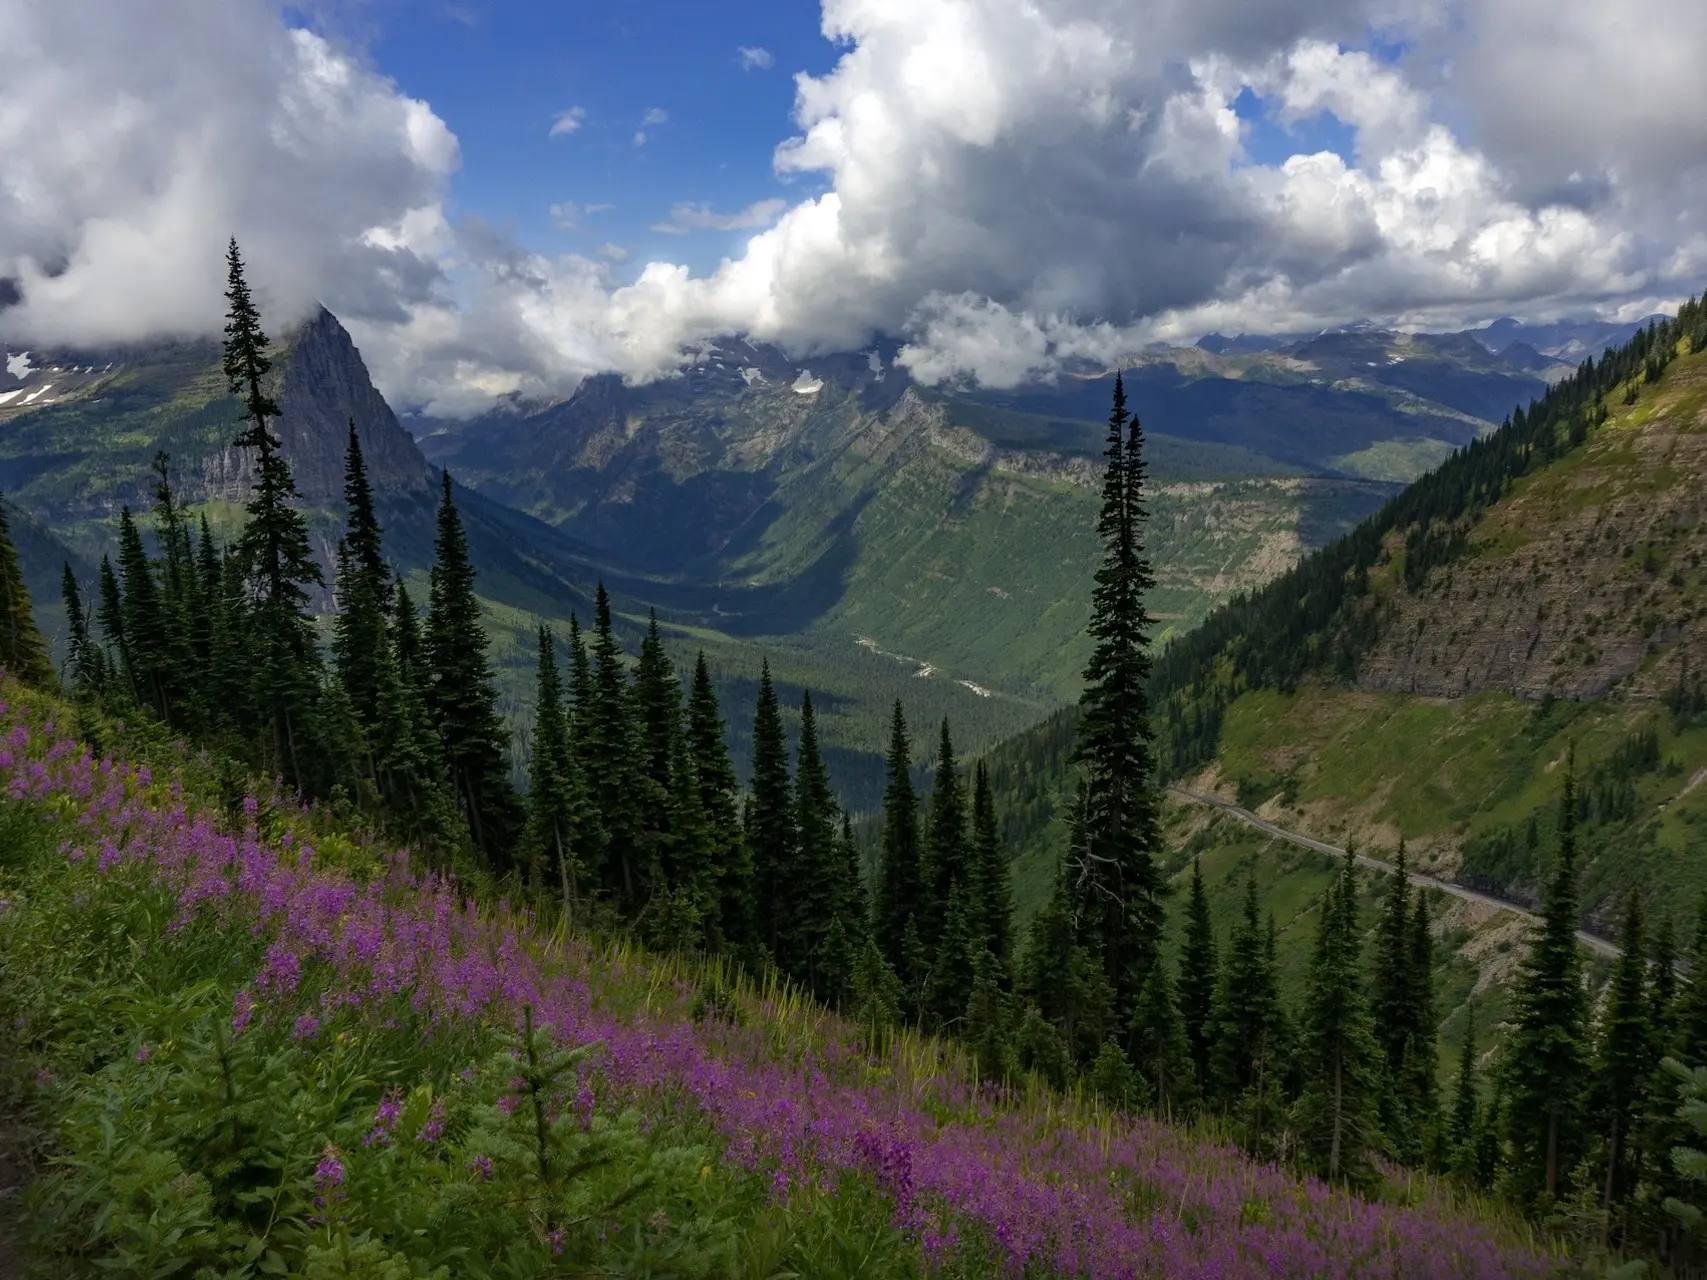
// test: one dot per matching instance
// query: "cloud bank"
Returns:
(1008, 185)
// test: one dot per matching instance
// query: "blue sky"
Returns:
(499, 74)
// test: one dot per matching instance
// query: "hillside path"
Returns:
(1595, 943)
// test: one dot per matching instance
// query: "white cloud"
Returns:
(654, 116)
(754, 57)
(611, 252)
(568, 215)
(1007, 185)
(568, 122)
(701, 217)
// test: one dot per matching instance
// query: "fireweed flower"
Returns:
(434, 1129)
(307, 1027)
(385, 1119)
(481, 1166)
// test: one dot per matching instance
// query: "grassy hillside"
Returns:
(252, 1040)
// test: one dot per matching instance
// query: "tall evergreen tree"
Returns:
(1546, 1061)
(1198, 972)
(82, 659)
(1245, 1029)
(273, 550)
(464, 698)
(954, 961)
(808, 891)
(731, 861)
(1117, 886)
(946, 853)
(1625, 1058)
(1466, 1105)
(610, 753)
(992, 883)
(900, 874)
(1338, 1050)
(408, 756)
(1161, 1050)
(23, 652)
(144, 627)
(770, 821)
(658, 704)
(1064, 979)
(364, 591)
(1422, 1093)
(554, 794)
(109, 612)
(177, 601)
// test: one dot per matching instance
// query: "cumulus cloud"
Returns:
(754, 57)
(567, 122)
(568, 215)
(611, 252)
(1007, 186)
(701, 217)
(138, 138)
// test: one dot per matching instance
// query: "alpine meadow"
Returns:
(960, 641)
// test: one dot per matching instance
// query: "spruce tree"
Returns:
(1245, 1029)
(408, 756)
(23, 652)
(990, 878)
(731, 863)
(954, 964)
(1466, 1105)
(658, 704)
(464, 699)
(1422, 1094)
(1689, 1017)
(144, 626)
(1064, 979)
(1161, 1049)
(109, 612)
(551, 844)
(610, 750)
(1390, 1003)
(210, 601)
(364, 591)
(1118, 889)
(1625, 1060)
(82, 658)
(1546, 1061)
(808, 889)
(770, 822)
(946, 853)
(1339, 1054)
(900, 874)
(273, 551)
(177, 603)
(985, 1025)
(1198, 972)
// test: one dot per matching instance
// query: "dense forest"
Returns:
(632, 822)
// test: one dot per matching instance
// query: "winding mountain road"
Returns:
(1595, 943)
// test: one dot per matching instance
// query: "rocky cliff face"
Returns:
(1587, 581)
(322, 384)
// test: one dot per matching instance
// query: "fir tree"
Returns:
(1391, 1005)
(946, 855)
(985, 1024)
(877, 993)
(1338, 1050)
(1625, 1060)
(23, 652)
(900, 874)
(109, 612)
(770, 821)
(1422, 1096)
(82, 658)
(1113, 1080)
(609, 752)
(273, 550)
(1161, 1049)
(1117, 887)
(464, 700)
(1245, 1029)
(1545, 1064)
(408, 757)
(1065, 979)
(1198, 971)
(1466, 1105)
(808, 889)
(143, 627)
(177, 601)
(991, 881)
(954, 964)
(658, 703)
(731, 863)
(553, 783)
(364, 591)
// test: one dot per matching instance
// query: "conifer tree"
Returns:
(210, 600)
(82, 658)
(1064, 979)
(688, 882)
(1625, 1060)
(143, 628)
(985, 1025)
(658, 704)
(1390, 1003)
(273, 550)
(1117, 887)
(1422, 1094)
(408, 756)
(610, 753)
(1245, 1036)
(109, 612)
(900, 874)
(954, 965)
(23, 652)
(1466, 1105)
(409, 646)
(464, 700)
(946, 854)
(1690, 1008)
(992, 883)
(364, 590)
(731, 863)
(1338, 1050)
(855, 902)
(1662, 1005)
(1161, 1050)
(877, 995)
(808, 890)
(770, 821)
(177, 601)
(1545, 1062)
(551, 842)
(1113, 1080)
(1198, 972)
